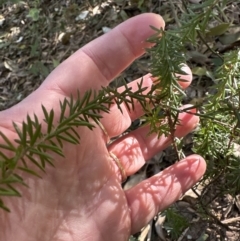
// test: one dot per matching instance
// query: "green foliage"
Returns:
(34, 14)
(219, 126)
(175, 223)
(167, 60)
(35, 142)
(219, 109)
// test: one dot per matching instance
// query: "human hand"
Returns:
(82, 198)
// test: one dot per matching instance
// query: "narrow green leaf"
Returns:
(9, 179)
(9, 191)
(71, 106)
(3, 206)
(66, 121)
(48, 161)
(68, 139)
(156, 29)
(45, 113)
(35, 162)
(81, 122)
(24, 134)
(29, 171)
(18, 141)
(5, 158)
(73, 136)
(7, 141)
(17, 129)
(29, 127)
(75, 133)
(85, 100)
(24, 162)
(10, 164)
(39, 153)
(36, 122)
(63, 106)
(53, 143)
(50, 121)
(59, 142)
(92, 114)
(60, 129)
(20, 179)
(14, 190)
(53, 148)
(36, 135)
(45, 160)
(6, 147)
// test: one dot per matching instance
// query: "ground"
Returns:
(35, 36)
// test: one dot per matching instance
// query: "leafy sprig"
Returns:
(217, 135)
(35, 141)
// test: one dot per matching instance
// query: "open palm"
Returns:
(82, 198)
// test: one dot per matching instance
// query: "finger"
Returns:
(136, 147)
(150, 196)
(116, 122)
(100, 61)
(93, 66)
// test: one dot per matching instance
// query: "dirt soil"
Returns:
(35, 38)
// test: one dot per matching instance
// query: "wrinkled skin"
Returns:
(81, 198)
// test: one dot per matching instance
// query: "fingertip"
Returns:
(198, 165)
(158, 19)
(157, 22)
(138, 37)
(185, 79)
(152, 19)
